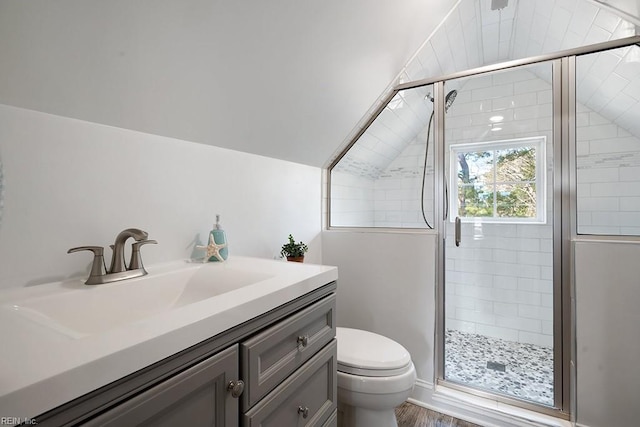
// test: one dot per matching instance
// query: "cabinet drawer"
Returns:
(275, 353)
(307, 398)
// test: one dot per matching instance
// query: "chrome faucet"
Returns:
(119, 270)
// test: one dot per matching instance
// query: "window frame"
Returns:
(537, 142)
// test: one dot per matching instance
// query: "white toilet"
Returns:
(375, 374)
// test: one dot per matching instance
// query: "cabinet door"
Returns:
(332, 421)
(197, 396)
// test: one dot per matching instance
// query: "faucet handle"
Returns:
(98, 268)
(136, 260)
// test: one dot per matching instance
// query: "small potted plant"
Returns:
(294, 251)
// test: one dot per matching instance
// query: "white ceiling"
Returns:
(628, 7)
(474, 35)
(282, 78)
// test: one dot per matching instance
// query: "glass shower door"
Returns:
(498, 276)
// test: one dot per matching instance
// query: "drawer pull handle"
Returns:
(303, 341)
(304, 411)
(236, 388)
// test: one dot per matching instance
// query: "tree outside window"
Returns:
(499, 181)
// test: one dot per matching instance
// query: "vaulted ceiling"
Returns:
(283, 78)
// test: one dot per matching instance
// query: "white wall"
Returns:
(386, 285)
(608, 346)
(71, 183)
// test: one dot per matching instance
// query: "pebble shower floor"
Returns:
(477, 360)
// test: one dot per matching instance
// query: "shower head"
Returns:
(448, 100)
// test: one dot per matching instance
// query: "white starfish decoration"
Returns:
(213, 249)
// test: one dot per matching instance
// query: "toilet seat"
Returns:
(368, 354)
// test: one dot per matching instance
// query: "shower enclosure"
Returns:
(499, 229)
(507, 163)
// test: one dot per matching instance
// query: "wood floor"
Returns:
(410, 415)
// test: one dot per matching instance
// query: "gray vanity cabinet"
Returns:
(198, 396)
(277, 369)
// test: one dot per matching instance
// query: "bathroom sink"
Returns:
(78, 310)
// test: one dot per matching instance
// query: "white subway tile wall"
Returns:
(380, 177)
(608, 146)
(500, 282)
(352, 200)
(510, 266)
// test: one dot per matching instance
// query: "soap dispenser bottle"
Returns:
(220, 238)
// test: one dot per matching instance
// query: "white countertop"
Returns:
(42, 367)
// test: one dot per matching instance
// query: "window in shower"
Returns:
(499, 181)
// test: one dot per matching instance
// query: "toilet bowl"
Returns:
(375, 374)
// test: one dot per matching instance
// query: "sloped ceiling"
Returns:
(628, 7)
(475, 35)
(282, 78)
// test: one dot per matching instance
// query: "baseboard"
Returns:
(477, 410)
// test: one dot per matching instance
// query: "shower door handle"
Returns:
(458, 230)
(446, 200)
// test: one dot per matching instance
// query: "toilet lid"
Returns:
(368, 354)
